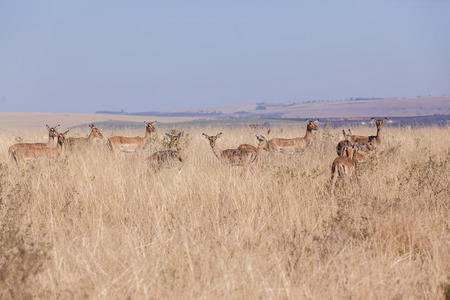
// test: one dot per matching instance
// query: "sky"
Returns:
(81, 56)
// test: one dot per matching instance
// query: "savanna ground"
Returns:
(92, 225)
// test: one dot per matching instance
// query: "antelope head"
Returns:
(351, 149)
(149, 126)
(95, 132)
(62, 137)
(379, 123)
(262, 142)
(212, 139)
(311, 125)
(174, 139)
(52, 133)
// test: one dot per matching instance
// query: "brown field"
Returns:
(26, 120)
(92, 225)
(389, 107)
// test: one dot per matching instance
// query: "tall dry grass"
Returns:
(91, 225)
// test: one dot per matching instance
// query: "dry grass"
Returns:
(97, 226)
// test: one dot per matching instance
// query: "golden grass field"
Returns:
(94, 225)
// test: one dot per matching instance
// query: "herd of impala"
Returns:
(353, 149)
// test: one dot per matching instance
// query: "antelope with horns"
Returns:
(18, 151)
(344, 165)
(31, 154)
(295, 144)
(131, 144)
(374, 140)
(82, 142)
(244, 157)
(263, 144)
(160, 157)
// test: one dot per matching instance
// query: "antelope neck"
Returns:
(308, 135)
(147, 135)
(378, 137)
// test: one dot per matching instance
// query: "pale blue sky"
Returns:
(83, 56)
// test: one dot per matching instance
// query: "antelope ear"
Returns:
(218, 135)
(180, 134)
(349, 131)
(316, 120)
(205, 135)
(65, 132)
(169, 135)
(263, 138)
(153, 122)
(343, 132)
(46, 125)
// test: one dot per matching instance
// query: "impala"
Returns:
(30, 153)
(295, 144)
(374, 140)
(17, 151)
(243, 157)
(131, 144)
(263, 144)
(160, 157)
(344, 165)
(80, 142)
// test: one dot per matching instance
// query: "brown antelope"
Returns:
(30, 154)
(131, 144)
(295, 144)
(81, 142)
(251, 147)
(263, 144)
(374, 140)
(160, 157)
(17, 151)
(244, 157)
(247, 147)
(344, 165)
(340, 148)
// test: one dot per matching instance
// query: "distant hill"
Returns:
(348, 108)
